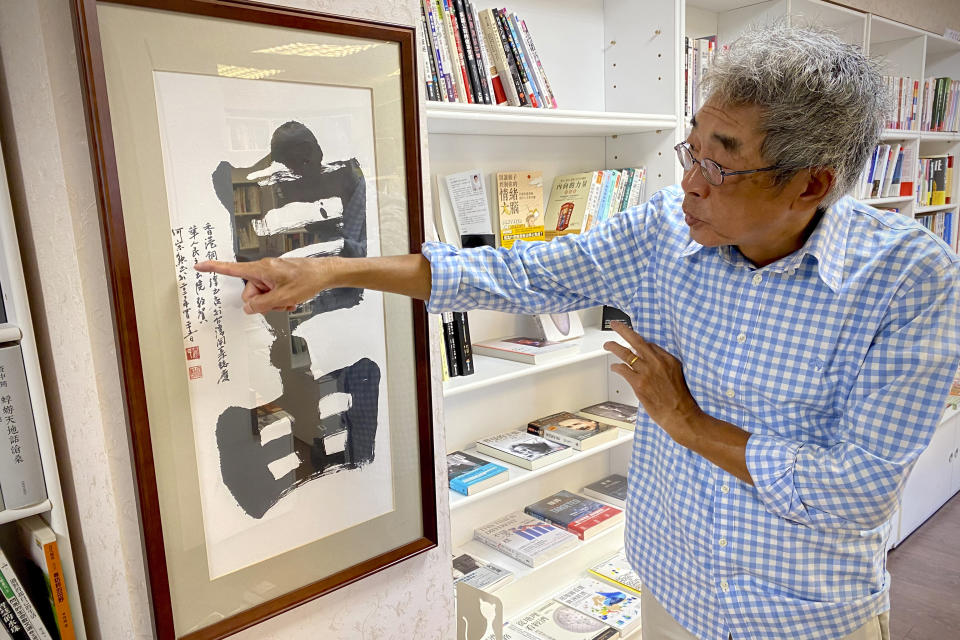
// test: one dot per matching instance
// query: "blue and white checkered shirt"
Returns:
(836, 358)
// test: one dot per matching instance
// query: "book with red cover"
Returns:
(576, 514)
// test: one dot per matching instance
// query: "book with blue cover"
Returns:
(576, 514)
(469, 474)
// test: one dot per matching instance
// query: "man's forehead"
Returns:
(734, 128)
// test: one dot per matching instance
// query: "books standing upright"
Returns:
(520, 203)
(41, 542)
(21, 473)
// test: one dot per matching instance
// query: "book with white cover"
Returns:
(599, 600)
(622, 415)
(617, 571)
(525, 349)
(525, 539)
(554, 621)
(523, 449)
(612, 490)
(479, 573)
(557, 327)
(21, 472)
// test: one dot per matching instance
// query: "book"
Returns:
(450, 344)
(575, 431)
(599, 600)
(617, 571)
(479, 573)
(566, 208)
(13, 592)
(610, 315)
(9, 624)
(461, 331)
(498, 59)
(520, 202)
(41, 544)
(552, 620)
(557, 327)
(523, 449)
(21, 473)
(521, 64)
(578, 515)
(524, 349)
(525, 538)
(622, 415)
(550, 97)
(491, 77)
(612, 489)
(468, 199)
(490, 22)
(468, 474)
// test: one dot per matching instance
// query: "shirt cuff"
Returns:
(771, 461)
(445, 270)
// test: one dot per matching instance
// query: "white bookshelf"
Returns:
(19, 330)
(620, 96)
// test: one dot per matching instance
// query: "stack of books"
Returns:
(903, 94)
(577, 431)
(887, 174)
(481, 56)
(479, 573)
(523, 449)
(581, 516)
(525, 539)
(935, 180)
(469, 474)
(941, 104)
(612, 490)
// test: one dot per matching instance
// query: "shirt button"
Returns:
(724, 586)
(725, 489)
(722, 542)
(757, 278)
(742, 338)
(730, 393)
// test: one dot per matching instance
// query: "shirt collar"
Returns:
(827, 243)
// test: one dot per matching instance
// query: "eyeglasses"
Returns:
(712, 172)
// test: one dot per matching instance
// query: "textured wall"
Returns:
(932, 15)
(45, 140)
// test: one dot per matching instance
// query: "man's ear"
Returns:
(817, 184)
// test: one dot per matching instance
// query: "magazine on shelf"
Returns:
(526, 349)
(612, 489)
(617, 571)
(577, 514)
(579, 432)
(552, 620)
(479, 573)
(622, 415)
(602, 601)
(525, 538)
(469, 474)
(523, 449)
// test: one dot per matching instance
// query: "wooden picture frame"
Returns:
(232, 535)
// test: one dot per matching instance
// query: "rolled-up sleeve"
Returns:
(890, 416)
(602, 266)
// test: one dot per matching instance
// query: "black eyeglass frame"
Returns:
(685, 146)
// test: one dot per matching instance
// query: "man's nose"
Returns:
(693, 182)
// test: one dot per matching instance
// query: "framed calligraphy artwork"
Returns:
(279, 456)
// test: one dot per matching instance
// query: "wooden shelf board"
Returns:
(519, 475)
(12, 515)
(490, 371)
(472, 119)
(10, 333)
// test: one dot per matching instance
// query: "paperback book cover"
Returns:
(525, 538)
(479, 573)
(525, 349)
(41, 542)
(575, 431)
(622, 415)
(15, 596)
(468, 474)
(576, 514)
(599, 600)
(558, 327)
(566, 208)
(520, 203)
(21, 472)
(612, 489)
(617, 571)
(523, 449)
(552, 620)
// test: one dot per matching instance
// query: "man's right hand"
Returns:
(275, 284)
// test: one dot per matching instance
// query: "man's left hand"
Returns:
(656, 378)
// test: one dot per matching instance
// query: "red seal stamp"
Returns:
(196, 372)
(193, 353)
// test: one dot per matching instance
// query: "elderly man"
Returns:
(792, 353)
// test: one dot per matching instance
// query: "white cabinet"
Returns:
(934, 479)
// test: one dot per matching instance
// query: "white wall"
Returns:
(44, 136)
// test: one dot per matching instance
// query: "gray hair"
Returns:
(823, 102)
